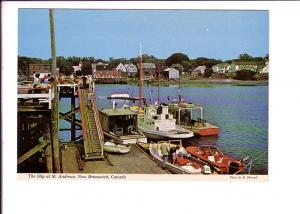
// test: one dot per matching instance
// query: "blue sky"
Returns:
(117, 33)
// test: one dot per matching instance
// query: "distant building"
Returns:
(222, 68)
(100, 66)
(121, 67)
(108, 74)
(38, 68)
(149, 70)
(266, 67)
(77, 68)
(131, 70)
(252, 66)
(171, 73)
(198, 70)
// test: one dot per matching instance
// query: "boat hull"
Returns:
(127, 139)
(208, 130)
(165, 135)
(116, 148)
(170, 167)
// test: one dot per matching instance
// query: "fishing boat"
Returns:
(112, 147)
(121, 125)
(190, 117)
(222, 163)
(181, 165)
(157, 123)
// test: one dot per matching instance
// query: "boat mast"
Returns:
(158, 84)
(140, 77)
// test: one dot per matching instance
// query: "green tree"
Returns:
(245, 75)
(176, 58)
(86, 68)
(245, 57)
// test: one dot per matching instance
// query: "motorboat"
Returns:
(181, 164)
(223, 164)
(157, 123)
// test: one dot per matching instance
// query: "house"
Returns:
(98, 67)
(171, 73)
(149, 70)
(265, 68)
(77, 68)
(131, 70)
(38, 68)
(198, 70)
(107, 74)
(222, 68)
(121, 68)
(251, 66)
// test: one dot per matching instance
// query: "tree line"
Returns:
(180, 61)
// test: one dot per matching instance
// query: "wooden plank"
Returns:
(32, 152)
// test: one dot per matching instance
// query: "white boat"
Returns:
(111, 147)
(184, 165)
(157, 123)
(120, 125)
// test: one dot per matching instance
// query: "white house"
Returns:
(131, 70)
(121, 68)
(171, 73)
(221, 68)
(265, 68)
(77, 67)
(198, 70)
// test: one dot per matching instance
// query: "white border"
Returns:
(51, 196)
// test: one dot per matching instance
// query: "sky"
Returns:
(219, 34)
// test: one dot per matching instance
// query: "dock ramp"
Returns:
(93, 137)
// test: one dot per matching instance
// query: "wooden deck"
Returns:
(135, 162)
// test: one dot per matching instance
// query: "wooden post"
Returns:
(54, 111)
(48, 150)
(73, 128)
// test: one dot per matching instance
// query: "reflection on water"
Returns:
(241, 112)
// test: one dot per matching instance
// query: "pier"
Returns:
(82, 154)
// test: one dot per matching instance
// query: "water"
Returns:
(241, 112)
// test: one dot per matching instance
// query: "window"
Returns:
(167, 116)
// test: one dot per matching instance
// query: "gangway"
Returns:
(93, 137)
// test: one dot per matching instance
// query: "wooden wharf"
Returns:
(84, 153)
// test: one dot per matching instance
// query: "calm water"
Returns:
(241, 112)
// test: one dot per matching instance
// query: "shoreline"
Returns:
(194, 82)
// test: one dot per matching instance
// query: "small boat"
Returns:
(121, 126)
(190, 117)
(222, 163)
(157, 123)
(111, 147)
(182, 165)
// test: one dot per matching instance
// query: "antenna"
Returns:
(140, 77)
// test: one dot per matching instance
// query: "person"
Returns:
(90, 97)
(61, 78)
(175, 154)
(165, 150)
(36, 80)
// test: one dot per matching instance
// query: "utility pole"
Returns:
(140, 77)
(54, 110)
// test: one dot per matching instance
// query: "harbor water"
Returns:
(241, 112)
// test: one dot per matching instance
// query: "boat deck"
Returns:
(134, 162)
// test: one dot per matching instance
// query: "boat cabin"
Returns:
(187, 114)
(118, 121)
(160, 118)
